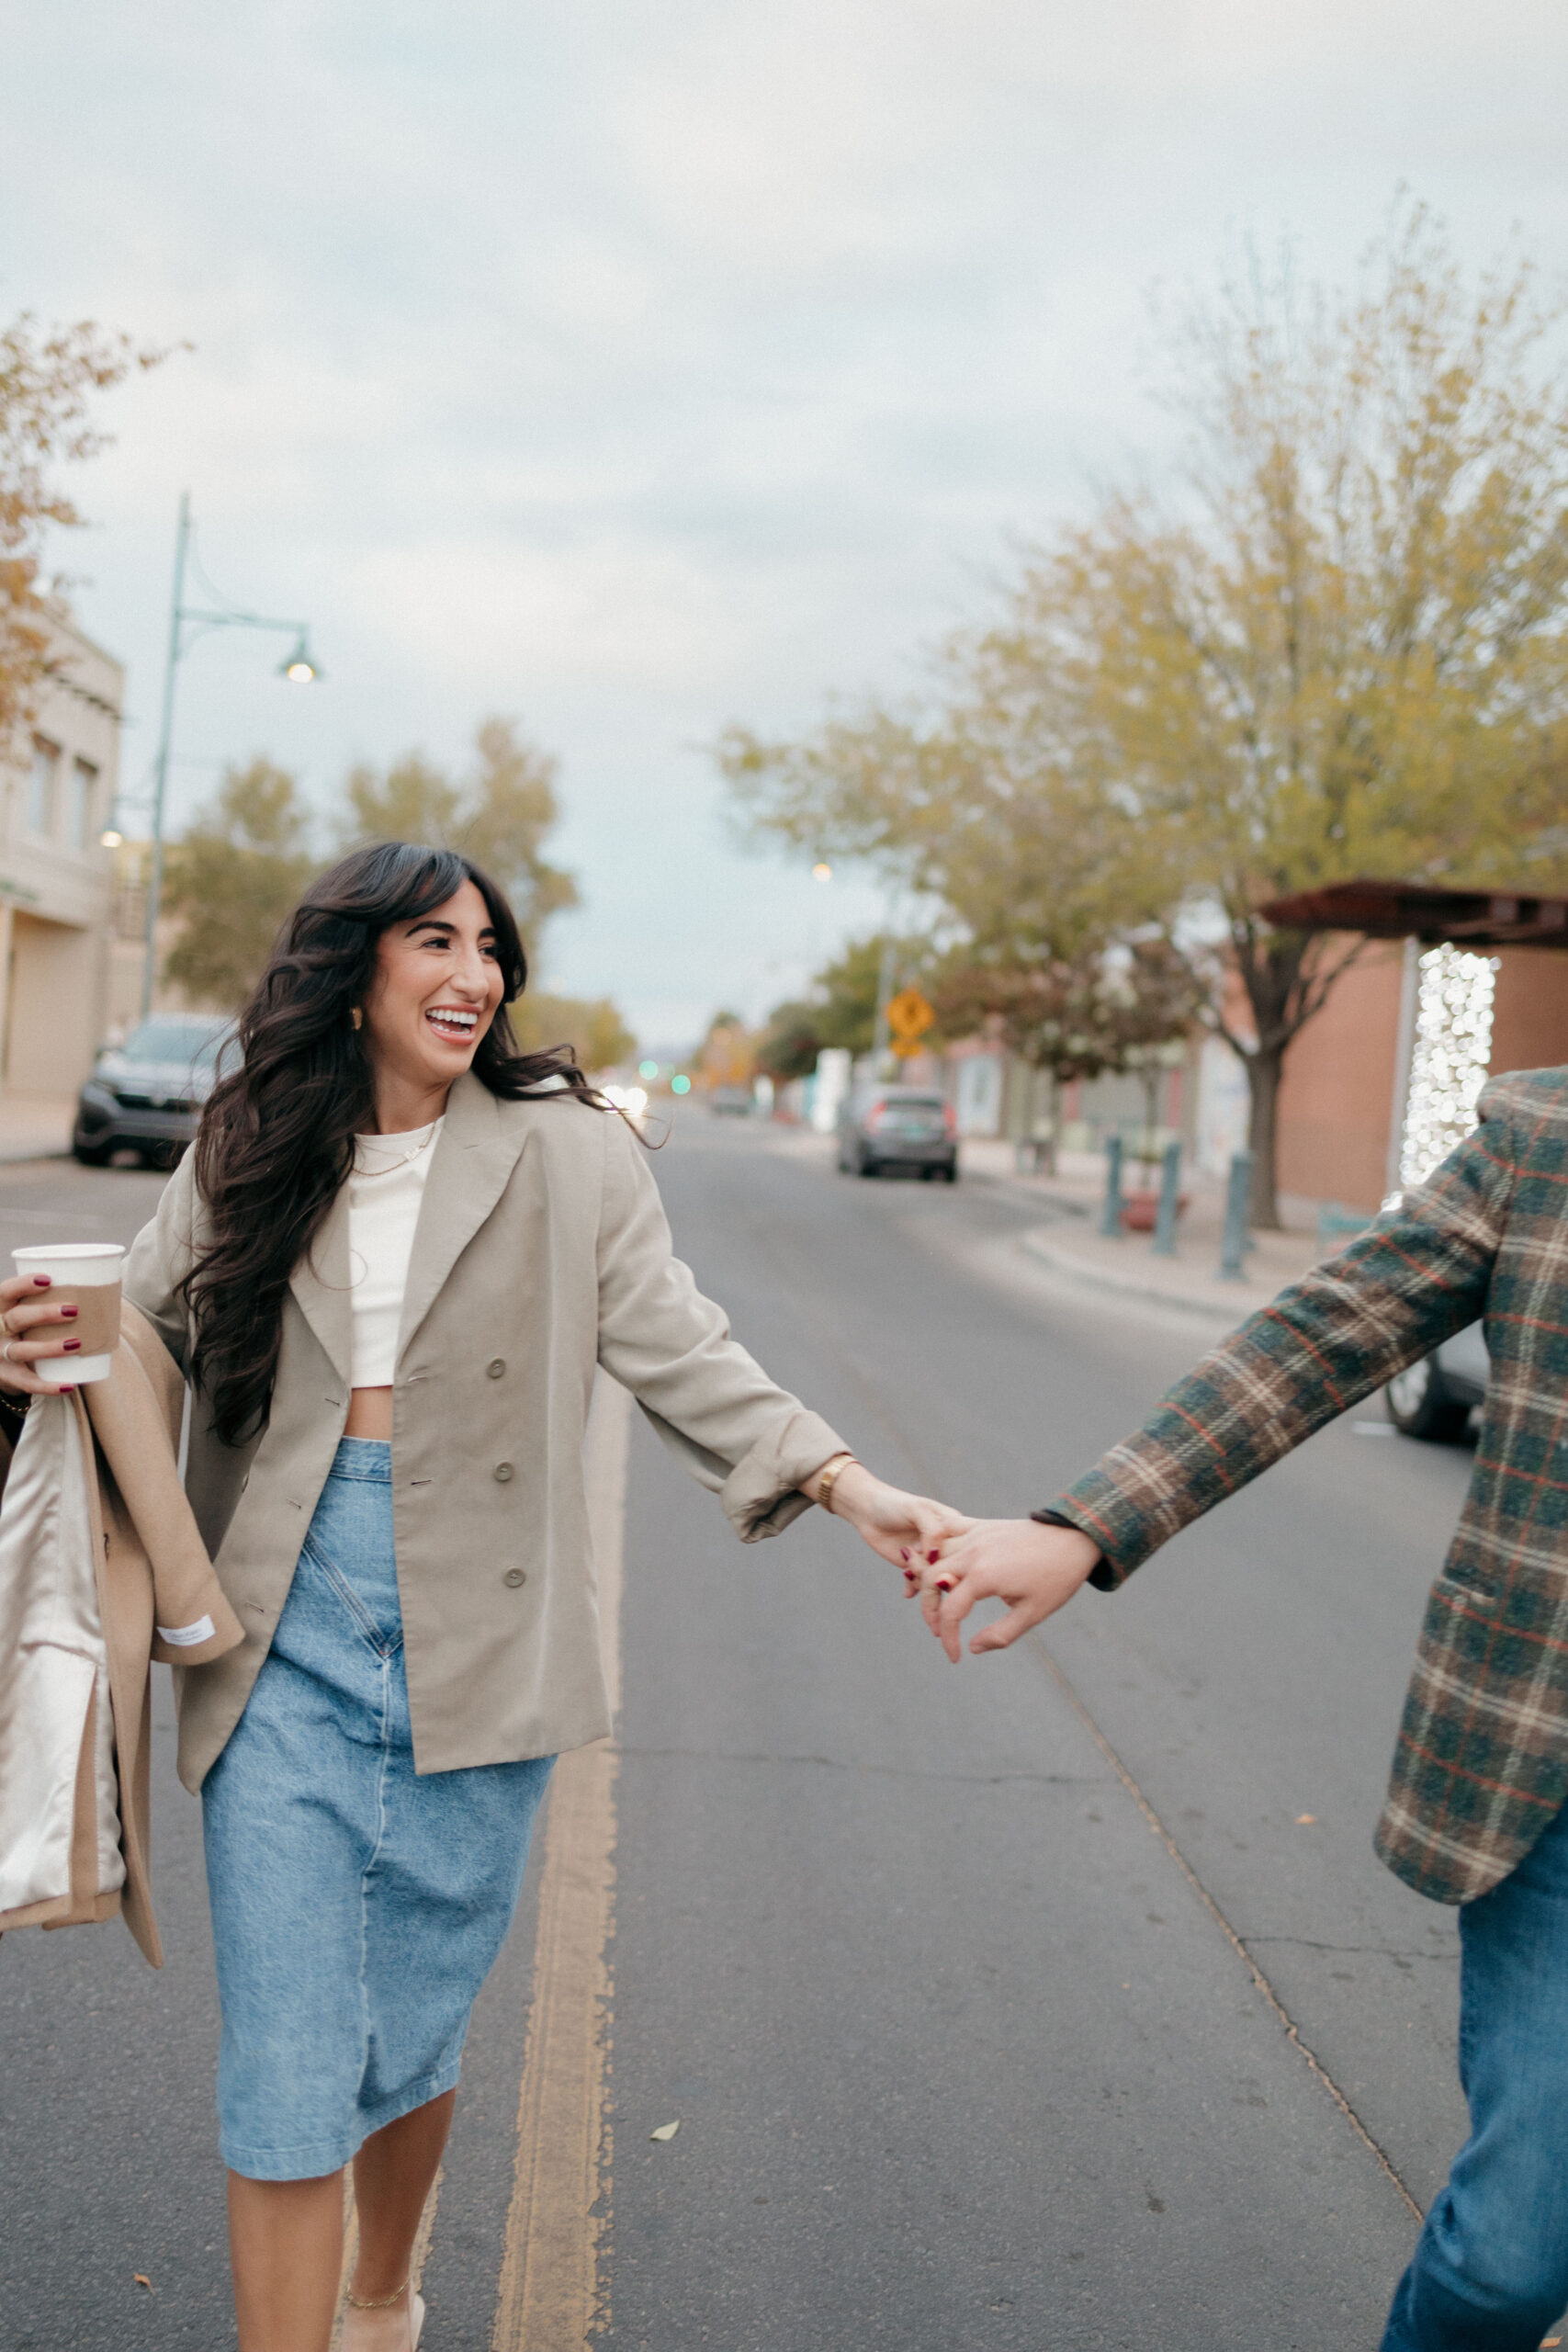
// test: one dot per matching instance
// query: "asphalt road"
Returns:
(945, 1973)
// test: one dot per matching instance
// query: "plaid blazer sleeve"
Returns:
(1418, 1274)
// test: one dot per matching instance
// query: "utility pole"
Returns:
(161, 772)
(187, 623)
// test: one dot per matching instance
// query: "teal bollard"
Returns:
(1110, 1217)
(1170, 1203)
(1232, 1251)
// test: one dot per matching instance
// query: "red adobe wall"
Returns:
(1338, 1096)
(1339, 1085)
(1529, 1013)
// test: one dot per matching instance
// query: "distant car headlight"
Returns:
(100, 1096)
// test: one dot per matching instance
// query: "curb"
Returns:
(1225, 1313)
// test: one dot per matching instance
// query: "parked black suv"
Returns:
(147, 1094)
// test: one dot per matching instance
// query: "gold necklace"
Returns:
(423, 1145)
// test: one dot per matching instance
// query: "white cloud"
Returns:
(632, 369)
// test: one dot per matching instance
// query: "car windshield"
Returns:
(188, 1044)
(914, 1102)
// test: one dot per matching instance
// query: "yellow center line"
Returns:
(553, 2286)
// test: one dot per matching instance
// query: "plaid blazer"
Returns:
(1481, 1763)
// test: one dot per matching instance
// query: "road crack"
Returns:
(888, 1771)
(1038, 1648)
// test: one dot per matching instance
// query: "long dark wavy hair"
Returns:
(276, 1138)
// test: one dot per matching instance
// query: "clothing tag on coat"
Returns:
(186, 1637)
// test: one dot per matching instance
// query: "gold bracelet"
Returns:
(830, 1479)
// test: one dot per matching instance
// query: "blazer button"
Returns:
(494, 1371)
(514, 1577)
(502, 1472)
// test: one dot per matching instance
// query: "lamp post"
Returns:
(187, 623)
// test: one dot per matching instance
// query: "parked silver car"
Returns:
(1434, 1398)
(147, 1095)
(898, 1127)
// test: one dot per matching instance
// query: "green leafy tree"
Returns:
(592, 1027)
(1078, 1019)
(790, 1043)
(1337, 647)
(238, 870)
(500, 815)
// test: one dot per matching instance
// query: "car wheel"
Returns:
(869, 1167)
(90, 1155)
(950, 1171)
(1418, 1404)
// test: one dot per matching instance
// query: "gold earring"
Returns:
(355, 1016)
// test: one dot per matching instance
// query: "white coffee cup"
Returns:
(77, 1270)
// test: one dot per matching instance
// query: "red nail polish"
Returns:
(904, 1552)
(70, 1347)
(909, 1576)
(931, 1559)
(43, 1282)
(944, 1584)
(69, 1311)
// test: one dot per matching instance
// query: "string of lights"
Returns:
(1451, 1054)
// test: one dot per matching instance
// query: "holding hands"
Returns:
(896, 1525)
(951, 1561)
(1033, 1568)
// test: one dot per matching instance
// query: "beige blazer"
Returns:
(101, 1570)
(541, 1250)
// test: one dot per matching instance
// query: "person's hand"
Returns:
(32, 1332)
(1033, 1568)
(897, 1526)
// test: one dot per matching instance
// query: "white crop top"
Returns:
(385, 1187)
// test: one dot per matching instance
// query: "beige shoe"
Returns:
(386, 2329)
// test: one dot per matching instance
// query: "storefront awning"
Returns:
(1414, 910)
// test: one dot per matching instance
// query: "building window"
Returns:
(83, 794)
(41, 787)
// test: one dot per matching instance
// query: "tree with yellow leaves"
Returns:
(47, 377)
(1335, 645)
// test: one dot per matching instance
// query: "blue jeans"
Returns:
(356, 1905)
(1491, 2267)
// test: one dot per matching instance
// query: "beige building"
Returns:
(56, 882)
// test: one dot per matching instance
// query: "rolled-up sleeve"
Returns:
(740, 1434)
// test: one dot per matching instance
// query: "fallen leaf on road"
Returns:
(140, 2279)
(665, 2131)
(1303, 1818)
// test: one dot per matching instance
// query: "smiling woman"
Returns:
(390, 983)
(390, 1269)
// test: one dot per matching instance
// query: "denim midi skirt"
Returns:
(357, 1907)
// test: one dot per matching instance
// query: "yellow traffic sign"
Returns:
(909, 1018)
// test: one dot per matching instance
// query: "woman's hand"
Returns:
(32, 1333)
(1033, 1568)
(897, 1526)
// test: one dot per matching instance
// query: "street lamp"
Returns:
(187, 623)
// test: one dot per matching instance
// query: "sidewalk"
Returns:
(1070, 1242)
(36, 1126)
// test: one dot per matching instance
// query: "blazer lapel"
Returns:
(474, 1159)
(320, 1283)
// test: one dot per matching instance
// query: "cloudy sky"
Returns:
(632, 368)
